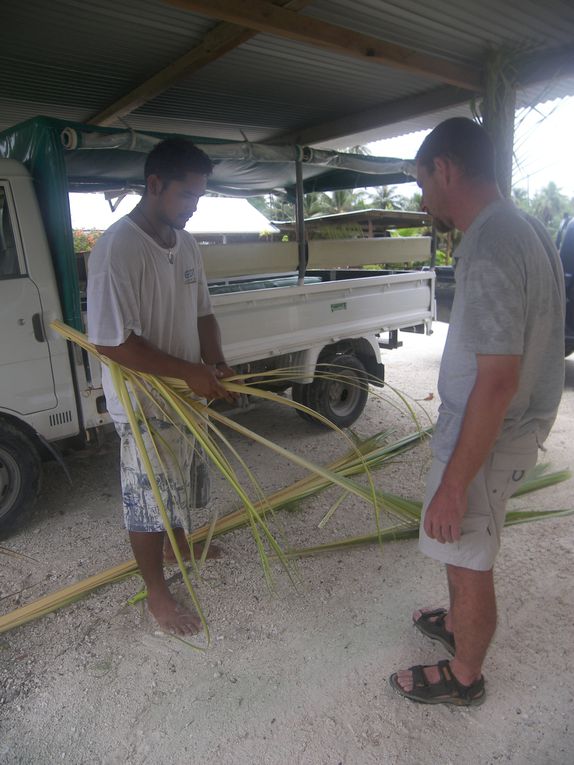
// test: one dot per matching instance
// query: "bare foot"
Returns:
(421, 611)
(214, 551)
(171, 617)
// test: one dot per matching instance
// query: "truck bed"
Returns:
(262, 319)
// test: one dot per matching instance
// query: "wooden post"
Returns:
(497, 111)
(300, 222)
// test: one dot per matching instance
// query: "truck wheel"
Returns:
(20, 474)
(340, 400)
(299, 393)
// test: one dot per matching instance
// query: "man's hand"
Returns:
(444, 514)
(497, 380)
(222, 371)
(204, 380)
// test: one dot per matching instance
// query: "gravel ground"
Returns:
(298, 675)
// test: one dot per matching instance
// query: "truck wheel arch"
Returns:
(340, 402)
(365, 349)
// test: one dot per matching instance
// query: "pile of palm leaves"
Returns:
(204, 424)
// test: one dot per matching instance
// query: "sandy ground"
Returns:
(295, 676)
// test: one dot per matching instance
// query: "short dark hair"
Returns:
(173, 158)
(465, 143)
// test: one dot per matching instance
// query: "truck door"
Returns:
(26, 379)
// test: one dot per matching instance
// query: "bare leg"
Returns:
(448, 618)
(451, 594)
(170, 616)
(214, 550)
(472, 619)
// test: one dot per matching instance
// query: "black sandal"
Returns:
(447, 691)
(435, 629)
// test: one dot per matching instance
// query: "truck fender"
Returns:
(365, 348)
(56, 455)
(43, 447)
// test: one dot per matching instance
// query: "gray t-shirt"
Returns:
(509, 300)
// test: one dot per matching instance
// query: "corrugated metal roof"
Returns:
(455, 29)
(72, 59)
(281, 93)
(529, 97)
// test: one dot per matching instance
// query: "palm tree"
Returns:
(345, 200)
(521, 199)
(317, 203)
(364, 150)
(273, 206)
(415, 202)
(549, 205)
(387, 198)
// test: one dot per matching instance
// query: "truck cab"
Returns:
(48, 392)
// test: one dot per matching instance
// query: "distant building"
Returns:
(217, 220)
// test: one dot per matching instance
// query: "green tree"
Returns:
(317, 203)
(364, 150)
(548, 205)
(346, 200)
(415, 201)
(274, 207)
(521, 199)
(387, 198)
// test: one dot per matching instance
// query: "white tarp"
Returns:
(73, 139)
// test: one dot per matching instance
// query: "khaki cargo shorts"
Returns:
(488, 494)
(182, 476)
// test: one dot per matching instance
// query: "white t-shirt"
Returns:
(133, 287)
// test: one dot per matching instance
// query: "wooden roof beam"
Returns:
(536, 67)
(217, 42)
(263, 16)
(385, 114)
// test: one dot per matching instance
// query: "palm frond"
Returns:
(397, 533)
(191, 415)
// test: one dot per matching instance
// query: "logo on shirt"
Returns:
(189, 276)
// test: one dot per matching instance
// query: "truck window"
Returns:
(9, 267)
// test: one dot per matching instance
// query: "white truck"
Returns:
(271, 316)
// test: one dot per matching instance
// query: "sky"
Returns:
(213, 214)
(543, 145)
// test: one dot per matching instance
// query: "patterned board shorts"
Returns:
(181, 472)
(487, 497)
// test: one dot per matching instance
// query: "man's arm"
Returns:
(210, 344)
(210, 339)
(497, 380)
(137, 353)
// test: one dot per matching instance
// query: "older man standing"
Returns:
(500, 384)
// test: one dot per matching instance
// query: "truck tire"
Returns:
(20, 474)
(339, 401)
(299, 394)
